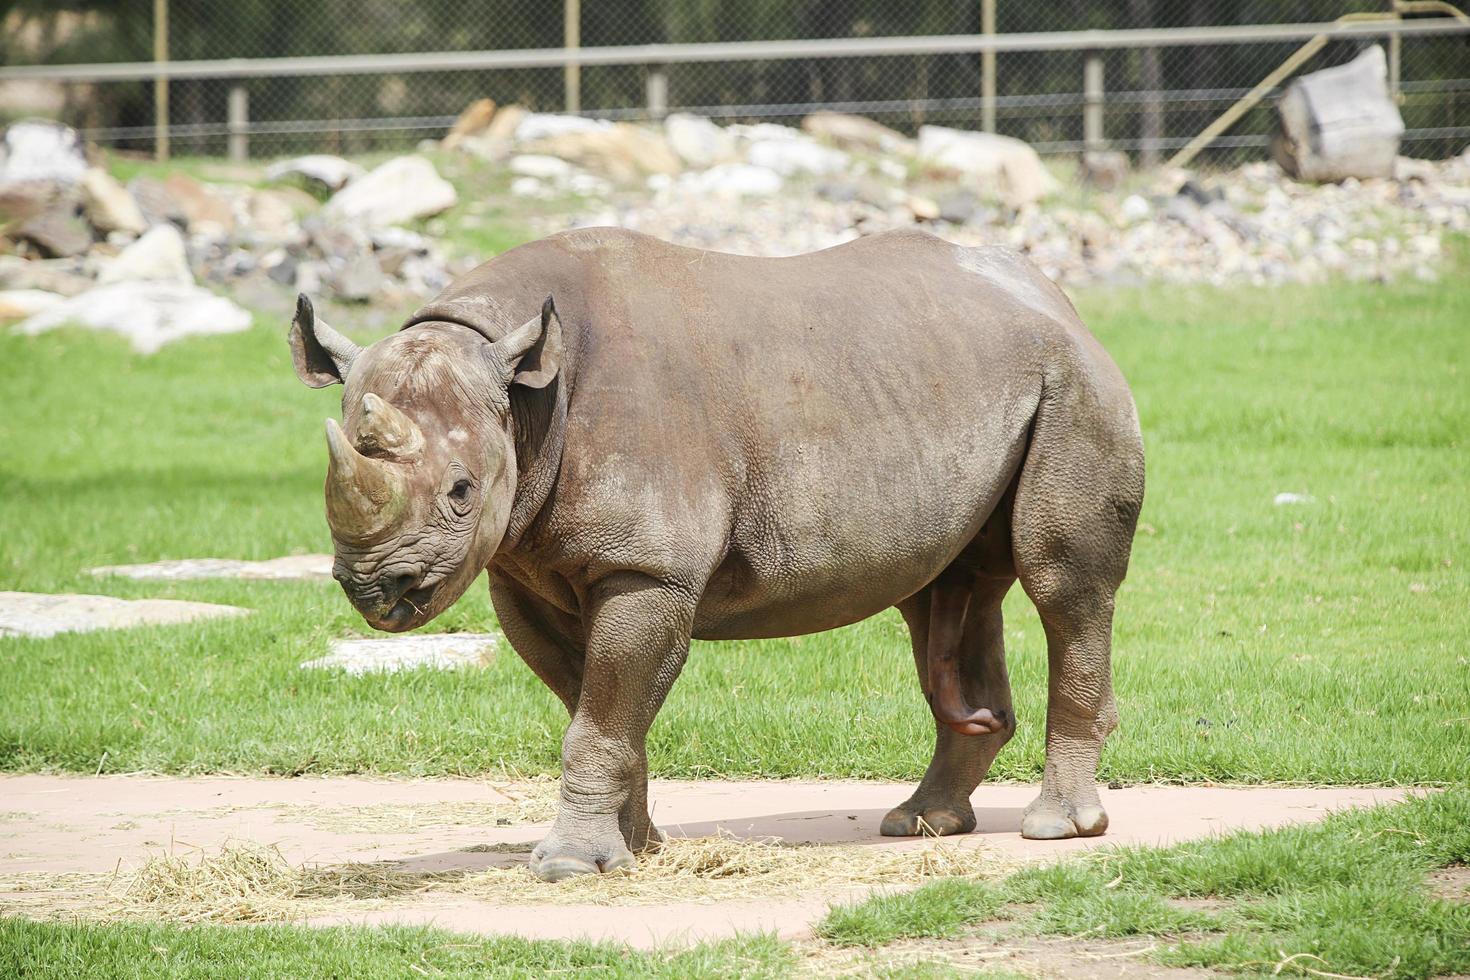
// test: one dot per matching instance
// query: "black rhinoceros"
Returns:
(643, 443)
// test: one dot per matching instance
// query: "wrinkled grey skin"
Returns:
(699, 444)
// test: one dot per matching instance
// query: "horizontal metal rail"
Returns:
(431, 124)
(665, 54)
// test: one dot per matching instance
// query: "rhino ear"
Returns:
(321, 355)
(531, 354)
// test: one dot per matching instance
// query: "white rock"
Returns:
(1009, 167)
(440, 651)
(735, 180)
(1135, 208)
(332, 172)
(541, 166)
(42, 614)
(273, 570)
(788, 157)
(529, 187)
(892, 169)
(109, 206)
(398, 191)
(270, 215)
(35, 150)
(591, 185)
(540, 125)
(765, 131)
(697, 141)
(1287, 499)
(158, 256)
(17, 303)
(149, 314)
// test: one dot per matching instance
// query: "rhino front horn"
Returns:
(364, 495)
(385, 429)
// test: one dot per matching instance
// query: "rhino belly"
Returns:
(824, 552)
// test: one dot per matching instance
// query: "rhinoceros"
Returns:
(643, 443)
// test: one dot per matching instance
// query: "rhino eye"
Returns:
(460, 490)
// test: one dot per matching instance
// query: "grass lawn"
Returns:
(1323, 642)
(148, 950)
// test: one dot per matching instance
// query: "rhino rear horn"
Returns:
(321, 355)
(384, 429)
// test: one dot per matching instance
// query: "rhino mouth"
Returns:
(411, 609)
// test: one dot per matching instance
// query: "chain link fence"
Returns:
(1156, 98)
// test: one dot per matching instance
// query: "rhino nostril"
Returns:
(395, 587)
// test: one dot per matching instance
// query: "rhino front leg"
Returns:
(637, 639)
(544, 637)
(550, 643)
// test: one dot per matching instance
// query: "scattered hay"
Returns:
(241, 882)
(250, 883)
(728, 868)
(516, 847)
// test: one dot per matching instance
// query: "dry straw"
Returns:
(244, 882)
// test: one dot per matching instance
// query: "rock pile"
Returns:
(82, 248)
(776, 190)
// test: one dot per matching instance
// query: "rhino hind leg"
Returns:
(941, 803)
(1077, 504)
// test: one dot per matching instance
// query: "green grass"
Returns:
(1319, 643)
(1349, 891)
(187, 953)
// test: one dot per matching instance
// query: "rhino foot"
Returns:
(557, 858)
(909, 820)
(1059, 820)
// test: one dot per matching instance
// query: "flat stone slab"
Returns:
(60, 824)
(440, 651)
(46, 614)
(180, 569)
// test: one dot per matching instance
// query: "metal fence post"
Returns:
(1092, 99)
(238, 123)
(160, 83)
(657, 85)
(987, 68)
(572, 40)
(1395, 56)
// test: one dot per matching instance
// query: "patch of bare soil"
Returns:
(993, 947)
(1451, 884)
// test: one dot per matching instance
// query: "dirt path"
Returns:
(69, 831)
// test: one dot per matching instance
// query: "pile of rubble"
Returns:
(1253, 224)
(774, 190)
(80, 247)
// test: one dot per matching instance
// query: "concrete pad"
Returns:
(312, 567)
(79, 824)
(440, 651)
(45, 614)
